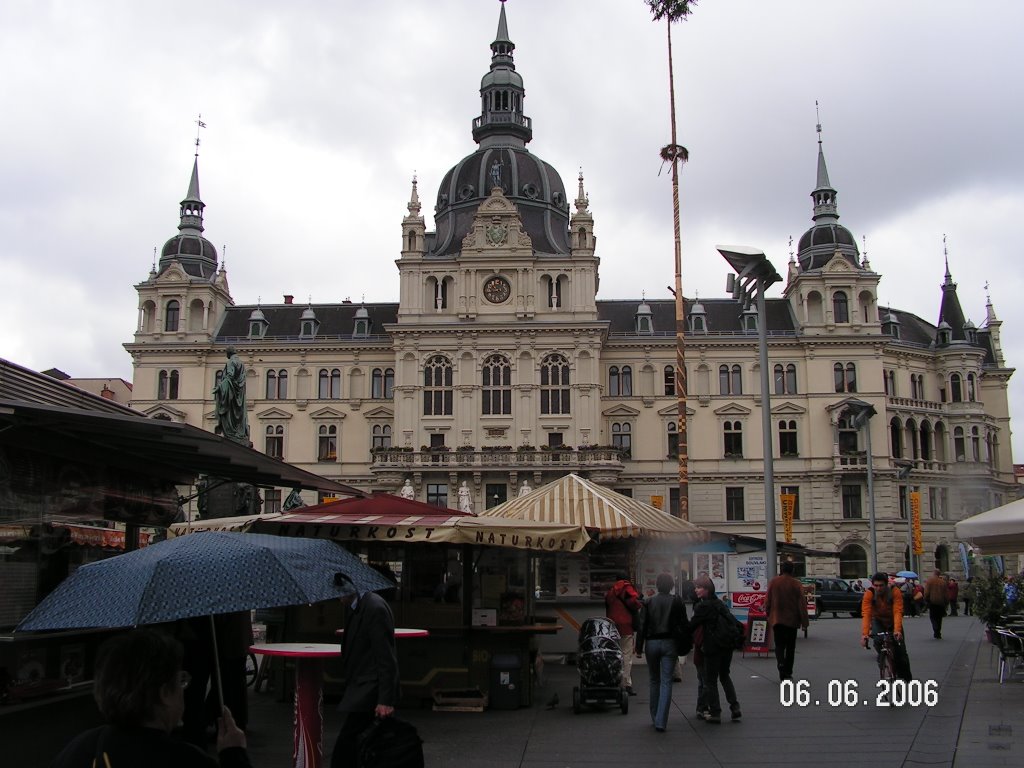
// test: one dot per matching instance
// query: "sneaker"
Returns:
(630, 691)
(701, 714)
(736, 713)
(710, 718)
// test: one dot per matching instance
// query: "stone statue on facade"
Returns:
(407, 492)
(229, 400)
(525, 488)
(294, 501)
(465, 499)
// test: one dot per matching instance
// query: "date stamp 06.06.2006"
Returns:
(847, 693)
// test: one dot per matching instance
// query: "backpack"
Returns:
(390, 743)
(725, 633)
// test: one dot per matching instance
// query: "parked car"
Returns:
(860, 585)
(834, 595)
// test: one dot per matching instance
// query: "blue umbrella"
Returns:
(906, 575)
(201, 574)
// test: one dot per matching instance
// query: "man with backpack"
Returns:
(622, 606)
(721, 635)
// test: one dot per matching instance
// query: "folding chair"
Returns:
(1011, 651)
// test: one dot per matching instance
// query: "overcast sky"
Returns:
(318, 113)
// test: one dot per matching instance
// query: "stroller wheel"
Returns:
(576, 705)
(624, 703)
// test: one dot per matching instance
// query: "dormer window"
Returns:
(944, 334)
(258, 324)
(750, 320)
(697, 324)
(362, 327)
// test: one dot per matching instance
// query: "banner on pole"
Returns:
(915, 521)
(788, 506)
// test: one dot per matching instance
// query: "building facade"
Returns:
(498, 366)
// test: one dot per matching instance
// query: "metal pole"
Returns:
(766, 429)
(871, 497)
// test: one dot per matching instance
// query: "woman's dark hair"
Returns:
(706, 583)
(664, 583)
(880, 576)
(131, 670)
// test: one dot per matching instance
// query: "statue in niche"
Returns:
(465, 499)
(407, 492)
(525, 488)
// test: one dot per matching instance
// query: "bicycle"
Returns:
(885, 646)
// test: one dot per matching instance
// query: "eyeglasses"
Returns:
(184, 678)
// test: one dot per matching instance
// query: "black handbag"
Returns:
(390, 743)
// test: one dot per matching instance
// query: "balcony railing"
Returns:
(555, 458)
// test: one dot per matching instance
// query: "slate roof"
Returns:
(721, 315)
(285, 319)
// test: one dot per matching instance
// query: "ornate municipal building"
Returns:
(499, 365)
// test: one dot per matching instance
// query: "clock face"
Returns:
(497, 290)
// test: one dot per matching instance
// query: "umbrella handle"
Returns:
(216, 668)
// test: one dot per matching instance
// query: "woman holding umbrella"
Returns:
(140, 691)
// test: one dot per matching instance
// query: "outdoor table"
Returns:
(309, 658)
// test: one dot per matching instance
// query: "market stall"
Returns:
(630, 536)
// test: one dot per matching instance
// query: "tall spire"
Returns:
(950, 311)
(824, 195)
(501, 121)
(414, 200)
(192, 206)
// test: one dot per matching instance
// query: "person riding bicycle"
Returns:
(882, 611)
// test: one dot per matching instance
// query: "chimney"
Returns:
(107, 393)
(288, 298)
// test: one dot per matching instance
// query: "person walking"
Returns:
(663, 636)
(717, 659)
(139, 687)
(787, 612)
(967, 597)
(936, 598)
(369, 668)
(622, 606)
(952, 593)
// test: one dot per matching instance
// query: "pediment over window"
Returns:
(273, 413)
(497, 228)
(327, 413)
(381, 412)
(788, 409)
(174, 273)
(673, 410)
(838, 264)
(621, 410)
(163, 412)
(732, 409)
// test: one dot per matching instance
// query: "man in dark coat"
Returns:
(369, 669)
(786, 607)
(936, 598)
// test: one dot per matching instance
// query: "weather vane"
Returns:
(199, 124)
(817, 114)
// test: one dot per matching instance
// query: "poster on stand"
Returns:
(573, 579)
(749, 581)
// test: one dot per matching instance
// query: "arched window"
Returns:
(497, 386)
(959, 447)
(626, 377)
(853, 562)
(167, 385)
(438, 393)
(845, 377)
(330, 384)
(896, 438)
(787, 438)
(785, 379)
(733, 434)
(554, 385)
(975, 444)
(382, 383)
(614, 384)
(942, 558)
(955, 392)
(277, 384)
(926, 441)
(327, 443)
(837, 374)
(381, 436)
(889, 378)
(730, 380)
(840, 307)
(172, 314)
(622, 437)
(670, 380)
(274, 442)
(672, 438)
(851, 377)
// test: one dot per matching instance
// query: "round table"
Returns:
(309, 691)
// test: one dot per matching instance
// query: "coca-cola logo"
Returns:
(748, 600)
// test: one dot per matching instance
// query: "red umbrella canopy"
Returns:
(384, 506)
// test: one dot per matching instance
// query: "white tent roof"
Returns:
(573, 501)
(999, 531)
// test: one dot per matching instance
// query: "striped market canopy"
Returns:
(571, 500)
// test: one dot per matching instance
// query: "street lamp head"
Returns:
(750, 264)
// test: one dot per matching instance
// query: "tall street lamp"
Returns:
(860, 414)
(754, 273)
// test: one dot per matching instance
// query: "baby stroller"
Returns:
(599, 661)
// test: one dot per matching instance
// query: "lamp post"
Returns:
(860, 416)
(754, 273)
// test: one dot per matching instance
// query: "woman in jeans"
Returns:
(663, 637)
